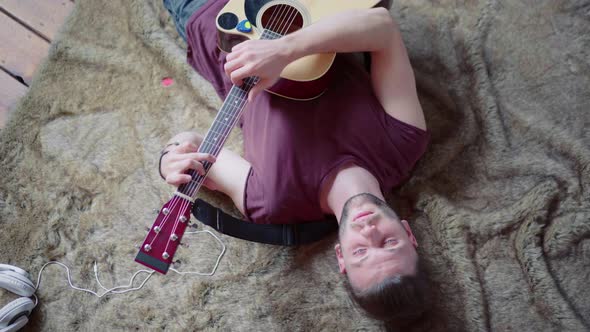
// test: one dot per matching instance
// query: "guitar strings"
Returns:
(271, 26)
(281, 21)
(191, 189)
(291, 19)
(249, 85)
(194, 186)
(276, 21)
(291, 14)
(185, 203)
(273, 19)
(197, 185)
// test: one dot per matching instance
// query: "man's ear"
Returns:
(410, 234)
(340, 258)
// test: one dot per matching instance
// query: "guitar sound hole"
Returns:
(228, 21)
(282, 19)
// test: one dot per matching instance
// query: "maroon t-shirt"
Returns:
(294, 145)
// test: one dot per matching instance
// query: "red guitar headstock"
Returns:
(163, 238)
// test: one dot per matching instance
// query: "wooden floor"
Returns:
(27, 28)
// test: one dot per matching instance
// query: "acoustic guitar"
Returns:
(306, 78)
(302, 79)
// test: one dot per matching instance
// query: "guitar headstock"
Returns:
(164, 236)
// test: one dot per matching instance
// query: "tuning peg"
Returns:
(137, 246)
(177, 262)
(193, 225)
(156, 211)
(184, 244)
(147, 229)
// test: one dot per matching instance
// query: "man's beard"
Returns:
(364, 197)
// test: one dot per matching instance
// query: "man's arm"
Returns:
(372, 30)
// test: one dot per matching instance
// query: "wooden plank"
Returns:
(11, 91)
(21, 50)
(44, 16)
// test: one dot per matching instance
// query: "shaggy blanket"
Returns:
(500, 204)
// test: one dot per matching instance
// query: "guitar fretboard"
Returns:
(225, 120)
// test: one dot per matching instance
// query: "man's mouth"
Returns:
(362, 214)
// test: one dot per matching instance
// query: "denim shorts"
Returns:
(181, 11)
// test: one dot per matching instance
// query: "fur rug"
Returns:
(500, 204)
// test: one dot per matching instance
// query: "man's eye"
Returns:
(391, 242)
(359, 251)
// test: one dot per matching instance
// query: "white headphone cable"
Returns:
(115, 290)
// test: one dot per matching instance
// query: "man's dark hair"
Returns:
(397, 301)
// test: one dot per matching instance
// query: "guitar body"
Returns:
(305, 78)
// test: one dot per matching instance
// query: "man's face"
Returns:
(374, 244)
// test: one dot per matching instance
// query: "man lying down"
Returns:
(334, 155)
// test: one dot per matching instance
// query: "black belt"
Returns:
(278, 234)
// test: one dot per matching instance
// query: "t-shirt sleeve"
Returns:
(407, 144)
(203, 53)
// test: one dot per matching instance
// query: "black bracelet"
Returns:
(162, 156)
(160, 165)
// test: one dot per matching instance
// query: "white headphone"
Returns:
(16, 313)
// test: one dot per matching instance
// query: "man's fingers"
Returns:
(239, 74)
(182, 159)
(181, 168)
(259, 87)
(239, 47)
(192, 164)
(254, 92)
(233, 55)
(187, 147)
(176, 179)
(199, 156)
(230, 56)
(230, 66)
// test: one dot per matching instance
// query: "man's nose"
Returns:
(368, 230)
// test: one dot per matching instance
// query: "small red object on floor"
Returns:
(167, 81)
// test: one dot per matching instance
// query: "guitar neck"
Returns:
(224, 122)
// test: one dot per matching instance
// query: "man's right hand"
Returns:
(179, 159)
